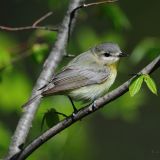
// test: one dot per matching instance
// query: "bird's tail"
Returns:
(32, 100)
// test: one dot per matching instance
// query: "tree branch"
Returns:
(57, 52)
(99, 103)
(33, 26)
(84, 5)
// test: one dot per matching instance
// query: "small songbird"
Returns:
(88, 76)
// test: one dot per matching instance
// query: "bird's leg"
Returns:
(74, 108)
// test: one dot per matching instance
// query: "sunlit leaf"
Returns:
(135, 85)
(150, 83)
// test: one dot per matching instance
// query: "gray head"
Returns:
(107, 53)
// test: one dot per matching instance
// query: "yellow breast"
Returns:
(92, 92)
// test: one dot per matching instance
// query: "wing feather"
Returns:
(73, 78)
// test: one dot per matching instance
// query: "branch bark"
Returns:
(58, 50)
(99, 103)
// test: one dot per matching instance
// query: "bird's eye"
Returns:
(106, 54)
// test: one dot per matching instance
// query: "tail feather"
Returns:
(32, 100)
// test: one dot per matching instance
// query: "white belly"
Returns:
(92, 92)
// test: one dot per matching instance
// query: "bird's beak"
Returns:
(123, 54)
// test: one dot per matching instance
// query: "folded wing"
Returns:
(73, 78)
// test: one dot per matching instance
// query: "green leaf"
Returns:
(50, 117)
(150, 83)
(135, 85)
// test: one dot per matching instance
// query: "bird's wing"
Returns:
(72, 78)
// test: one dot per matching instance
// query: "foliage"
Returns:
(136, 84)
(50, 117)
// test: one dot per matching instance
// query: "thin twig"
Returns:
(42, 18)
(99, 103)
(28, 28)
(33, 26)
(73, 13)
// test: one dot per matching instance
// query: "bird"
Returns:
(88, 76)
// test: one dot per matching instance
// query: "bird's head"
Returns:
(108, 53)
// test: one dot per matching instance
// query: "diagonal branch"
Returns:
(99, 103)
(57, 52)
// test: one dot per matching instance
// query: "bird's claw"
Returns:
(94, 106)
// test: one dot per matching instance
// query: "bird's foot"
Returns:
(94, 106)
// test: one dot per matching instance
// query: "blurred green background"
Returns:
(128, 128)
